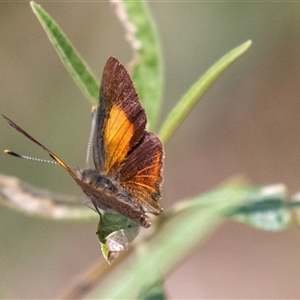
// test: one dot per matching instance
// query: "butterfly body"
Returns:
(106, 194)
(128, 159)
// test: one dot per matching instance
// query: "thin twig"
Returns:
(34, 201)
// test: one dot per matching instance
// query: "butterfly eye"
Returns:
(109, 188)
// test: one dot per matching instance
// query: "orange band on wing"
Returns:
(117, 135)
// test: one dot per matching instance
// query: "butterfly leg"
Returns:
(98, 211)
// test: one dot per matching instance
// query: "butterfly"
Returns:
(128, 159)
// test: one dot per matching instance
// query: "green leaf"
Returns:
(266, 208)
(189, 100)
(146, 67)
(178, 235)
(77, 68)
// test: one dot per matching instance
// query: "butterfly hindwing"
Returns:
(141, 173)
(121, 120)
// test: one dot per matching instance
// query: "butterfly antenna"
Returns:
(30, 158)
(94, 109)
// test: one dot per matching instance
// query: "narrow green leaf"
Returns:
(141, 33)
(189, 100)
(174, 239)
(77, 68)
(266, 208)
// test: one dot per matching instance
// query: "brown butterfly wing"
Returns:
(121, 120)
(141, 173)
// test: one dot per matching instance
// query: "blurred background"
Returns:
(247, 123)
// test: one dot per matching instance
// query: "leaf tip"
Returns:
(248, 43)
(32, 4)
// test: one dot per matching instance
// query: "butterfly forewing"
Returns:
(120, 120)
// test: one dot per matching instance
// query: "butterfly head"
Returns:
(97, 181)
